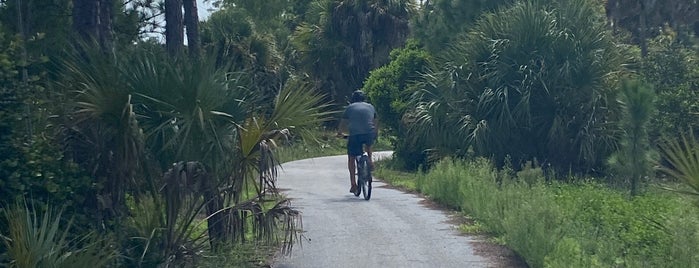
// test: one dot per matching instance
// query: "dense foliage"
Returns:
(390, 88)
(534, 81)
(109, 127)
(343, 40)
(439, 22)
(165, 156)
(672, 68)
(561, 224)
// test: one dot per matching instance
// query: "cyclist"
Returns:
(360, 120)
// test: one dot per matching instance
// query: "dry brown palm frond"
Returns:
(185, 184)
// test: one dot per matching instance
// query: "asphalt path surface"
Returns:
(393, 229)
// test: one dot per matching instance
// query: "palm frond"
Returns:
(298, 106)
(188, 108)
(185, 199)
(682, 156)
(534, 79)
(42, 241)
(106, 137)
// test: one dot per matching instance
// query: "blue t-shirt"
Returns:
(360, 118)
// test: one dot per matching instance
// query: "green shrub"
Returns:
(39, 171)
(673, 70)
(683, 232)
(568, 253)
(533, 224)
(442, 183)
(389, 88)
(531, 173)
(612, 227)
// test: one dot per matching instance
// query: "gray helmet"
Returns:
(357, 96)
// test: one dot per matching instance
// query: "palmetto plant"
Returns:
(209, 118)
(682, 160)
(101, 127)
(204, 144)
(241, 43)
(34, 239)
(530, 81)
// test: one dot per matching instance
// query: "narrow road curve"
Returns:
(393, 229)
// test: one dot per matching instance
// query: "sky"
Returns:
(203, 9)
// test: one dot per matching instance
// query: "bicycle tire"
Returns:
(365, 177)
(359, 177)
(367, 189)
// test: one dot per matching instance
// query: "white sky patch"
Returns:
(204, 8)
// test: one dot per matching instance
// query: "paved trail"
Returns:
(396, 229)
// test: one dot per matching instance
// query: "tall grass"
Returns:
(556, 224)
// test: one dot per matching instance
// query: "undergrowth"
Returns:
(559, 224)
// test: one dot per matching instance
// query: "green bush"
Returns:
(442, 184)
(39, 171)
(389, 88)
(673, 70)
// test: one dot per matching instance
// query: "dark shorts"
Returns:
(355, 143)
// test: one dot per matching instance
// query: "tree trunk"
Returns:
(85, 18)
(174, 36)
(612, 7)
(642, 29)
(191, 20)
(104, 29)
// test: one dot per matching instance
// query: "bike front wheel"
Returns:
(366, 190)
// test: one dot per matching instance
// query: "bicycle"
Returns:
(364, 178)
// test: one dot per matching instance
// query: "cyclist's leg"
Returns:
(351, 166)
(354, 148)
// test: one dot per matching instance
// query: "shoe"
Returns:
(353, 189)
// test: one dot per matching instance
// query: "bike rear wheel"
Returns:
(364, 181)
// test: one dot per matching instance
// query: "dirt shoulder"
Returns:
(501, 256)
